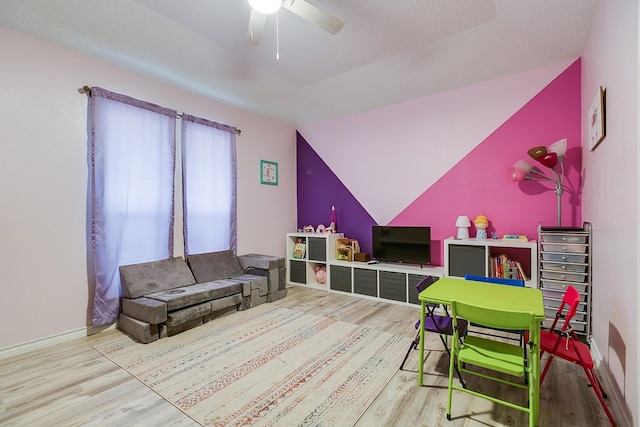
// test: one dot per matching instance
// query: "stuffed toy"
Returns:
(321, 274)
(481, 222)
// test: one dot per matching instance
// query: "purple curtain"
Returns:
(133, 161)
(209, 181)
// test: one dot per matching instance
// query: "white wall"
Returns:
(610, 197)
(43, 180)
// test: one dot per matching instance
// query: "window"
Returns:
(133, 151)
(209, 185)
(132, 188)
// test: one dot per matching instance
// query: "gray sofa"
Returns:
(163, 298)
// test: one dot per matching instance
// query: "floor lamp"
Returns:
(553, 159)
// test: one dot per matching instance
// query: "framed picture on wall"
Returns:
(595, 120)
(268, 172)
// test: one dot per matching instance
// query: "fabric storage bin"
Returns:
(298, 271)
(316, 249)
(340, 278)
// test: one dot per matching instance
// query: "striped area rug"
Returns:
(267, 366)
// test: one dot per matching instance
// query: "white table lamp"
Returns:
(463, 223)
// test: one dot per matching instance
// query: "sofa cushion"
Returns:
(212, 266)
(179, 317)
(181, 297)
(142, 331)
(221, 288)
(221, 303)
(142, 279)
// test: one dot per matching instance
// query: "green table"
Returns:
(501, 297)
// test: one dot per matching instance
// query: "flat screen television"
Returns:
(410, 245)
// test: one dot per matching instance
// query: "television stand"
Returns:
(377, 280)
(388, 282)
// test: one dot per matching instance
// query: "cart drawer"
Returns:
(561, 287)
(564, 238)
(550, 313)
(553, 299)
(564, 257)
(558, 275)
(564, 247)
(579, 327)
(564, 266)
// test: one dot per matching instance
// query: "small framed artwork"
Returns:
(595, 119)
(268, 172)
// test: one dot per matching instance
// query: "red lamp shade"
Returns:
(550, 160)
(537, 152)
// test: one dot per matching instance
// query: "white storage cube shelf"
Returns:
(472, 256)
(390, 282)
(320, 248)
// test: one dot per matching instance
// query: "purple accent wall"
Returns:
(319, 189)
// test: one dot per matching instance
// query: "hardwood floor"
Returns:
(71, 384)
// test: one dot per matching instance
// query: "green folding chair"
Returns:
(491, 354)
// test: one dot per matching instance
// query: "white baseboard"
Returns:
(614, 397)
(26, 347)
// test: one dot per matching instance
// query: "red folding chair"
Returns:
(565, 344)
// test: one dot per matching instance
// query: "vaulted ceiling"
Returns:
(387, 51)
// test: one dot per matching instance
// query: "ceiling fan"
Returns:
(261, 8)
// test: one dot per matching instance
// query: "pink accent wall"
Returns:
(389, 156)
(429, 160)
(479, 184)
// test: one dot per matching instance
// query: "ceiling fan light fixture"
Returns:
(266, 6)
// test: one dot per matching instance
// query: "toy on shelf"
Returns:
(481, 222)
(299, 249)
(321, 274)
(346, 249)
(334, 220)
(515, 237)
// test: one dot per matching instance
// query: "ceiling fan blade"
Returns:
(257, 21)
(314, 15)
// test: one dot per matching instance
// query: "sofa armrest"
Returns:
(261, 262)
(145, 309)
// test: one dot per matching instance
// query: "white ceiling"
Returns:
(387, 51)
